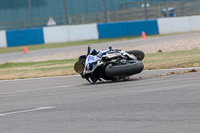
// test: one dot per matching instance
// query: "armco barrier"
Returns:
(174, 25)
(70, 33)
(129, 28)
(3, 41)
(24, 37)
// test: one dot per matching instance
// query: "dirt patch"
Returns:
(175, 73)
(184, 44)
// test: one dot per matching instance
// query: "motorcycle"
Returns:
(109, 64)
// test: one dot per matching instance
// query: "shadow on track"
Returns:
(114, 82)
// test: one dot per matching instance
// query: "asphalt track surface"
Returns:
(116, 44)
(145, 104)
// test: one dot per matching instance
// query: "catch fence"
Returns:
(19, 14)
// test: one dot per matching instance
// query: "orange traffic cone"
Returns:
(25, 50)
(143, 35)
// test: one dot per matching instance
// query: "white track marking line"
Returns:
(26, 111)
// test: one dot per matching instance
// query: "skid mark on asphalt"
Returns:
(26, 111)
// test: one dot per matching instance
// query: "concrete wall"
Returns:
(58, 34)
(110, 30)
(135, 28)
(83, 32)
(173, 25)
(55, 34)
(129, 28)
(195, 23)
(24, 37)
(3, 41)
(178, 24)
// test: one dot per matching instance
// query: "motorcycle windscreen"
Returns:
(78, 66)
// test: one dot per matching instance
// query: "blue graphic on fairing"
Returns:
(94, 52)
(91, 59)
(102, 52)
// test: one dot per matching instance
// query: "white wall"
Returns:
(3, 41)
(83, 32)
(178, 24)
(55, 34)
(173, 25)
(195, 23)
(58, 34)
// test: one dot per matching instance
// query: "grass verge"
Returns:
(165, 60)
(174, 59)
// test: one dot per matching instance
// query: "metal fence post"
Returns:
(65, 11)
(185, 9)
(105, 10)
(30, 12)
(145, 9)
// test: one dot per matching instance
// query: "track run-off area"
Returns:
(152, 44)
(154, 101)
(146, 103)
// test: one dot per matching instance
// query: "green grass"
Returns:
(36, 69)
(174, 59)
(164, 60)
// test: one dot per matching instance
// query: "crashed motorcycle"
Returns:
(109, 64)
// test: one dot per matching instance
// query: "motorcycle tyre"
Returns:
(126, 70)
(138, 53)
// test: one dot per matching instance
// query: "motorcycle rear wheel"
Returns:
(125, 70)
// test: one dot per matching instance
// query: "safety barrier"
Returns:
(24, 37)
(178, 24)
(68, 33)
(129, 28)
(173, 25)
(3, 41)
(194, 23)
(135, 28)
(55, 34)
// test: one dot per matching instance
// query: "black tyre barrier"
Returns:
(128, 69)
(138, 53)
